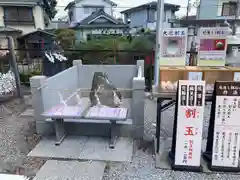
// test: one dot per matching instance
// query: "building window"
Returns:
(70, 16)
(151, 15)
(16, 15)
(92, 9)
(229, 9)
(164, 16)
(86, 10)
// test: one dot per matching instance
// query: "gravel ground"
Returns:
(143, 168)
(143, 164)
(17, 138)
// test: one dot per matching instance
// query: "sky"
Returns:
(126, 4)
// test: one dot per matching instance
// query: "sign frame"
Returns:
(189, 117)
(173, 61)
(221, 126)
(212, 35)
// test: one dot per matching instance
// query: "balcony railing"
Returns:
(18, 21)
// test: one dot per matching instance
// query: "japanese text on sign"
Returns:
(226, 143)
(191, 97)
(213, 32)
(174, 32)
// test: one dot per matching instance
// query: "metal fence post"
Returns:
(14, 65)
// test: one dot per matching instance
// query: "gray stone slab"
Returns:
(84, 148)
(74, 170)
(70, 148)
(12, 177)
(28, 112)
(98, 149)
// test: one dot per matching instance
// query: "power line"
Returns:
(124, 7)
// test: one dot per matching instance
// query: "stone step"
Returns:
(74, 170)
(27, 113)
(12, 177)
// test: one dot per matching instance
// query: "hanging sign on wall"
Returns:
(173, 47)
(212, 46)
(191, 101)
(226, 142)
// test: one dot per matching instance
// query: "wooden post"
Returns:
(14, 66)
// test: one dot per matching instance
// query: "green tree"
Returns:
(50, 8)
(106, 51)
(66, 37)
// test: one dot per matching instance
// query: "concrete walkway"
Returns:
(72, 170)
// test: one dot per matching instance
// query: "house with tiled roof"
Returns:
(145, 15)
(20, 17)
(94, 18)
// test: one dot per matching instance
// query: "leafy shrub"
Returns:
(24, 78)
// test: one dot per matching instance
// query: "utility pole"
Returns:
(14, 66)
(159, 34)
(234, 28)
(188, 9)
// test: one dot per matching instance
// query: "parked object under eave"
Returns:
(233, 51)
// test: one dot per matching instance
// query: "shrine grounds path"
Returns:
(17, 138)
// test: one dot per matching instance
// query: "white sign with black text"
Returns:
(191, 101)
(226, 142)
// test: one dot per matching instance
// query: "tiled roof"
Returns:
(87, 21)
(8, 29)
(76, 1)
(152, 4)
(37, 31)
(18, 2)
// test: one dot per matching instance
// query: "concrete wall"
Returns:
(138, 19)
(38, 18)
(45, 93)
(64, 83)
(212, 9)
(122, 77)
(208, 9)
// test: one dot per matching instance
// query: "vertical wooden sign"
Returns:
(226, 136)
(190, 114)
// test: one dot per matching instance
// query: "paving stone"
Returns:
(71, 170)
(70, 148)
(84, 148)
(98, 149)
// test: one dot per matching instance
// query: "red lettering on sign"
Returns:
(190, 155)
(190, 150)
(190, 113)
(189, 131)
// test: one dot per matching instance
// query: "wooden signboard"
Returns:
(189, 120)
(222, 150)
